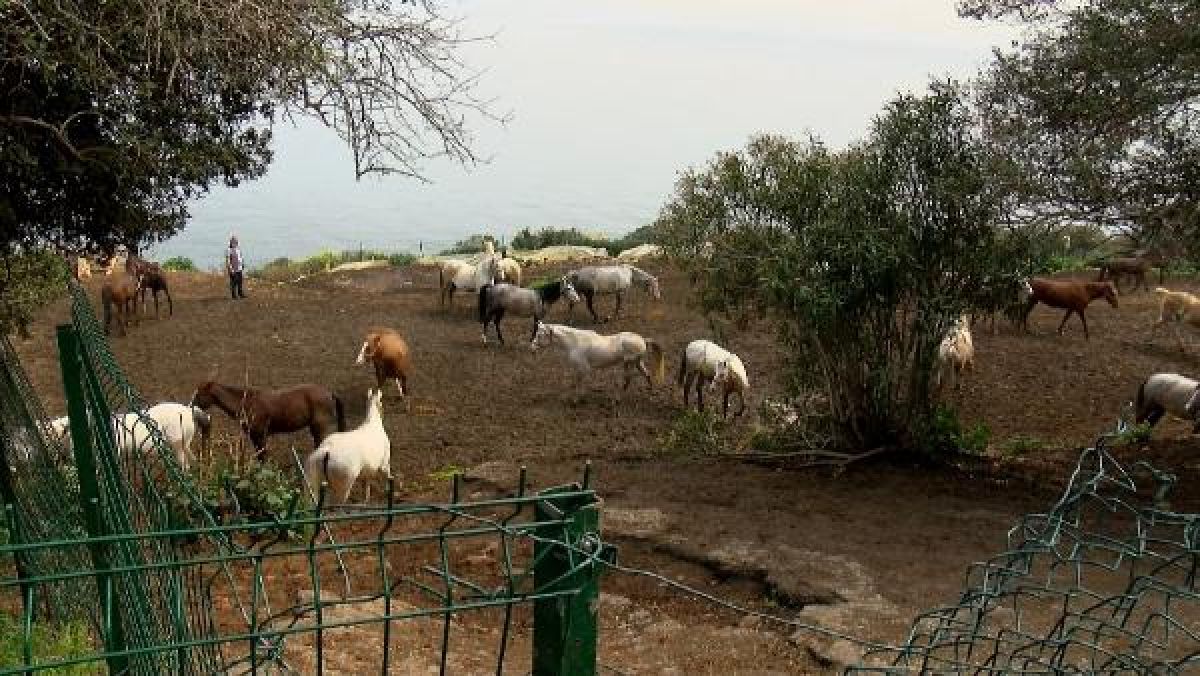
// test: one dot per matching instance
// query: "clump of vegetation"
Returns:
(51, 643)
(470, 245)
(179, 264)
(287, 269)
(540, 239)
(1133, 435)
(949, 435)
(693, 433)
(29, 280)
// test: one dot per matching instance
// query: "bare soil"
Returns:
(862, 551)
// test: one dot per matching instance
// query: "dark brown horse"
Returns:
(266, 412)
(119, 296)
(153, 280)
(1130, 266)
(1069, 295)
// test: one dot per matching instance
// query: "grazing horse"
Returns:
(1072, 296)
(588, 351)
(610, 279)
(1129, 266)
(1172, 393)
(706, 363)
(1178, 307)
(153, 280)
(497, 299)
(266, 412)
(119, 296)
(455, 275)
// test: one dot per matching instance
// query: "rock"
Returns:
(750, 622)
(613, 601)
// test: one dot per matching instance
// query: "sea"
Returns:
(602, 106)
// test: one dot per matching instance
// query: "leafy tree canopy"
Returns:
(1099, 104)
(113, 114)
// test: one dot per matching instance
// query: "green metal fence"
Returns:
(123, 541)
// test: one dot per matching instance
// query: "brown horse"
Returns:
(153, 280)
(1130, 266)
(119, 294)
(1069, 295)
(266, 412)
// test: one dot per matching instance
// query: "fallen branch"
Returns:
(816, 457)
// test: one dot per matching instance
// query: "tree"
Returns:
(115, 113)
(1099, 105)
(862, 258)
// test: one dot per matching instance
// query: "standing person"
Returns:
(235, 267)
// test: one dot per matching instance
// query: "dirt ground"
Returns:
(862, 551)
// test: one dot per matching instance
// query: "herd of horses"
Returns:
(343, 455)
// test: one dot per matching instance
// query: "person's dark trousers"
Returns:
(235, 285)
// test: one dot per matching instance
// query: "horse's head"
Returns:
(204, 397)
(542, 337)
(368, 349)
(568, 289)
(375, 401)
(1110, 293)
(721, 376)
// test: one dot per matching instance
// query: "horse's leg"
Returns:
(687, 385)
(155, 293)
(1083, 319)
(641, 366)
(700, 393)
(496, 320)
(617, 311)
(725, 405)
(628, 374)
(258, 437)
(590, 296)
(170, 303)
(1025, 315)
(1064, 321)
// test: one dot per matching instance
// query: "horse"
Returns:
(343, 457)
(132, 432)
(588, 351)
(1177, 307)
(119, 296)
(955, 354)
(706, 363)
(1163, 393)
(508, 270)
(497, 299)
(1129, 266)
(1072, 296)
(454, 275)
(153, 280)
(266, 412)
(390, 356)
(610, 279)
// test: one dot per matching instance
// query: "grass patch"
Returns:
(949, 434)
(287, 269)
(1134, 435)
(51, 643)
(446, 473)
(693, 433)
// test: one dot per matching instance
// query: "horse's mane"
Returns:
(549, 292)
(640, 275)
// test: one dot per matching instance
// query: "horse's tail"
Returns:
(659, 365)
(483, 302)
(682, 368)
(340, 410)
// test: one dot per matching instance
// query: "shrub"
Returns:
(470, 245)
(179, 264)
(1134, 435)
(527, 240)
(287, 269)
(862, 258)
(1020, 445)
(949, 436)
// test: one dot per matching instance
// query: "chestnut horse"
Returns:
(266, 412)
(119, 294)
(1069, 295)
(153, 280)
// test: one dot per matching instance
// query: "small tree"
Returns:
(863, 258)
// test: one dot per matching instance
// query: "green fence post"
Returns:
(71, 363)
(565, 627)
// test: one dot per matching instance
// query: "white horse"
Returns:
(705, 362)
(178, 424)
(610, 279)
(508, 270)
(588, 351)
(1163, 393)
(454, 275)
(342, 457)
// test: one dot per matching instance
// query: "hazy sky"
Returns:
(609, 101)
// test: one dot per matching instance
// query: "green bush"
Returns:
(179, 264)
(1021, 445)
(1134, 435)
(470, 245)
(528, 240)
(51, 643)
(948, 434)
